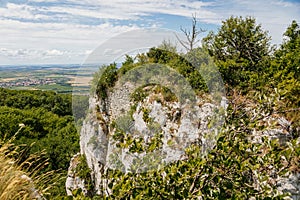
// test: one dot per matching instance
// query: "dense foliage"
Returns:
(241, 50)
(107, 80)
(26, 99)
(108, 75)
(286, 66)
(244, 57)
(48, 126)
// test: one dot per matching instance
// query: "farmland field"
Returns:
(60, 78)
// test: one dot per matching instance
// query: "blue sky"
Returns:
(54, 31)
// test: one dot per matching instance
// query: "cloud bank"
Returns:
(53, 31)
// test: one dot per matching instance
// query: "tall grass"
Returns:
(21, 177)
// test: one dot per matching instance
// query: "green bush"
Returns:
(83, 171)
(107, 80)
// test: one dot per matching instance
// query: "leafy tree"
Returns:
(285, 73)
(24, 99)
(241, 50)
(127, 65)
(204, 63)
(167, 46)
(287, 56)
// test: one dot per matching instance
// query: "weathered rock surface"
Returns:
(73, 182)
(181, 124)
(291, 184)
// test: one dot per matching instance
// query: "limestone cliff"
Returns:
(176, 124)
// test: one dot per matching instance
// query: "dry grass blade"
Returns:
(22, 179)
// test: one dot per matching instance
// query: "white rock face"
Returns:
(73, 182)
(139, 123)
(181, 125)
(119, 100)
(279, 129)
(290, 184)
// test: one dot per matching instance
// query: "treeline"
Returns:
(243, 54)
(48, 125)
(26, 99)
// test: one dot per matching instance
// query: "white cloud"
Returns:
(21, 11)
(53, 36)
(55, 52)
(274, 15)
(132, 9)
(113, 9)
(112, 52)
(33, 53)
(44, 1)
(38, 56)
(66, 32)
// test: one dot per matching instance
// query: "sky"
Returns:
(66, 32)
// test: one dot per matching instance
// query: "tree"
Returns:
(240, 48)
(47, 126)
(180, 64)
(285, 73)
(288, 54)
(168, 46)
(191, 36)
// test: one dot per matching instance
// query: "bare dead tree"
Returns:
(191, 35)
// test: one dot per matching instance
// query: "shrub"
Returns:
(107, 80)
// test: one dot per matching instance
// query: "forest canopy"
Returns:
(48, 126)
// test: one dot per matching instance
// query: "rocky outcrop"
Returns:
(280, 128)
(74, 182)
(177, 123)
(291, 184)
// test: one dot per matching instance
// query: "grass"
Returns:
(21, 178)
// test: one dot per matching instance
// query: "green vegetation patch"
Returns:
(48, 126)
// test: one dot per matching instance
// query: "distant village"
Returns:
(27, 82)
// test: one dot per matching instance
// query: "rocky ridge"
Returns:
(181, 124)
